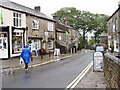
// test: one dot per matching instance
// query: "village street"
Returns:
(54, 75)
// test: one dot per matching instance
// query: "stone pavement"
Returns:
(14, 63)
(93, 81)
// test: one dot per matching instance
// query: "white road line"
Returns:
(79, 77)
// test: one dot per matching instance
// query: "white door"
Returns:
(3, 45)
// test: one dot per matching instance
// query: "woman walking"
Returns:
(26, 54)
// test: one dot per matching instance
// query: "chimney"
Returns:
(119, 4)
(55, 16)
(37, 8)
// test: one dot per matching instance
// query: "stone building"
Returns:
(12, 29)
(20, 25)
(104, 39)
(66, 36)
(61, 38)
(40, 30)
(73, 39)
(114, 31)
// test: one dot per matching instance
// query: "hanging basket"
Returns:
(29, 41)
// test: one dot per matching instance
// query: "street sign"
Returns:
(46, 33)
(98, 61)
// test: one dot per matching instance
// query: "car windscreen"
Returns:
(100, 49)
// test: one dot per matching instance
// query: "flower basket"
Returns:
(49, 40)
(29, 41)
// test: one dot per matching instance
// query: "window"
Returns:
(50, 45)
(117, 45)
(17, 41)
(35, 45)
(35, 24)
(3, 40)
(50, 26)
(17, 19)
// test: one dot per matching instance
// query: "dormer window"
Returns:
(35, 24)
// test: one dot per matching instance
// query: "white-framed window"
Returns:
(17, 19)
(35, 24)
(50, 26)
(50, 45)
(17, 41)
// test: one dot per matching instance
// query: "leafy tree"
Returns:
(83, 20)
(101, 22)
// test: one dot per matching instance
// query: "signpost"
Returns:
(98, 61)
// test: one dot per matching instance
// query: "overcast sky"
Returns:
(48, 7)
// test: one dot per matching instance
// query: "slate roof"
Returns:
(17, 7)
(113, 13)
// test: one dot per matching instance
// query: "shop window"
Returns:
(17, 19)
(35, 24)
(3, 40)
(35, 45)
(17, 41)
(50, 45)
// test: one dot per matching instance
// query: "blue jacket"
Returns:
(25, 54)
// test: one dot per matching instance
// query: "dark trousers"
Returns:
(26, 65)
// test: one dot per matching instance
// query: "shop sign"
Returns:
(98, 61)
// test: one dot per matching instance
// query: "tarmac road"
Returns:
(54, 75)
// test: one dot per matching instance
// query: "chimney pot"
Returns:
(37, 8)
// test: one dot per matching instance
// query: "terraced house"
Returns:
(40, 30)
(66, 37)
(20, 25)
(114, 31)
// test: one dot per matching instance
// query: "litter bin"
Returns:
(98, 63)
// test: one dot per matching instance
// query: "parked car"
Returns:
(92, 47)
(100, 49)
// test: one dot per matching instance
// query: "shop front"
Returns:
(35, 44)
(4, 43)
(18, 40)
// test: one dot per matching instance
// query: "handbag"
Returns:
(21, 60)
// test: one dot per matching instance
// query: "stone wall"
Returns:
(112, 71)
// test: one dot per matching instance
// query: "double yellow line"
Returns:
(79, 77)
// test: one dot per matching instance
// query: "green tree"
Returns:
(101, 25)
(83, 20)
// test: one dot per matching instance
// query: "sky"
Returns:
(48, 7)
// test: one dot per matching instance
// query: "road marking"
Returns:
(78, 78)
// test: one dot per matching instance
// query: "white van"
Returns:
(99, 49)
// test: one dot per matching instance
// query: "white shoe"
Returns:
(26, 69)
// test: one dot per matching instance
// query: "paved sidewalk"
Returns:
(14, 63)
(93, 81)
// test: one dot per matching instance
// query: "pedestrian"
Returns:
(42, 52)
(26, 54)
